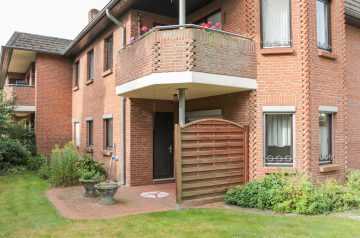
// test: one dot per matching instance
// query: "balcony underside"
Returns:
(163, 86)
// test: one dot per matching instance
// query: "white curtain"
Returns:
(77, 134)
(276, 23)
(322, 23)
(279, 130)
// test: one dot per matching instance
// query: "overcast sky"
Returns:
(59, 18)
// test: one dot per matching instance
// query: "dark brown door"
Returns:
(163, 145)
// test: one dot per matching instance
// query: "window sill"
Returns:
(329, 168)
(75, 88)
(327, 55)
(107, 153)
(274, 170)
(277, 51)
(107, 73)
(88, 82)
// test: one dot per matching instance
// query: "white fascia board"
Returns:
(186, 77)
(328, 109)
(25, 108)
(278, 109)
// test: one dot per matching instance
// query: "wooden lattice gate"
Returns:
(211, 156)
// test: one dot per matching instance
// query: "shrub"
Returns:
(63, 168)
(34, 163)
(13, 153)
(297, 194)
(90, 169)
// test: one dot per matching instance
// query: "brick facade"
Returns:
(301, 76)
(53, 102)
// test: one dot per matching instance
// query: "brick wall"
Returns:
(25, 95)
(53, 102)
(353, 82)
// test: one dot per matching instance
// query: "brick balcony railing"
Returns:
(25, 95)
(170, 49)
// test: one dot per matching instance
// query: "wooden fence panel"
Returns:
(211, 156)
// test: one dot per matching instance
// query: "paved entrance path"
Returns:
(131, 200)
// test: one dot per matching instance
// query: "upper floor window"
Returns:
(325, 138)
(276, 23)
(108, 61)
(323, 24)
(214, 18)
(13, 81)
(77, 74)
(91, 65)
(279, 139)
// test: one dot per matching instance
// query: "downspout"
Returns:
(123, 104)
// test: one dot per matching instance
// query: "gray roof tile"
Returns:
(38, 43)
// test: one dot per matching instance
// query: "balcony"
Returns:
(25, 94)
(207, 62)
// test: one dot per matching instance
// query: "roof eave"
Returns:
(6, 53)
(93, 23)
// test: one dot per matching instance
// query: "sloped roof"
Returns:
(353, 8)
(38, 43)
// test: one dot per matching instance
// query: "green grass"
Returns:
(25, 212)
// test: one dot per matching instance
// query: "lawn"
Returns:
(26, 212)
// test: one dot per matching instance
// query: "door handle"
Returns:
(170, 149)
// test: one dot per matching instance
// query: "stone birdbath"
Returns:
(89, 186)
(107, 192)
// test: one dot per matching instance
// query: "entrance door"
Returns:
(163, 145)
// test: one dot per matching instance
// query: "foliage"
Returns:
(298, 194)
(89, 169)
(13, 153)
(17, 142)
(34, 163)
(63, 169)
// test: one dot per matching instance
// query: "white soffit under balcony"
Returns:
(25, 109)
(20, 61)
(163, 86)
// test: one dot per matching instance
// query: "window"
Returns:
(108, 53)
(77, 74)
(279, 140)
(77, 133)
(323, 24)
(91, 65)
(108, 127)
(17, 81)
(214, 18)
(325, 138)
(276, 23)
(90, 133)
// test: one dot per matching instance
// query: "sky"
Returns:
(58, 18)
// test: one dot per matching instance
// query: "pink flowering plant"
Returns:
(211, 25)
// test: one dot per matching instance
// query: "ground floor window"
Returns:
(89, 125)
(108, 133)
(325, 138)
(77, 133)
(278, 140)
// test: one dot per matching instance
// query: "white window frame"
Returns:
(329, 110)
(289, 110)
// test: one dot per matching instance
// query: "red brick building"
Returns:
(290, 70)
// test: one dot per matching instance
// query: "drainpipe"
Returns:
(123, 156)
(182, 106)
(122, 27)
(182, 12)
(123, 104)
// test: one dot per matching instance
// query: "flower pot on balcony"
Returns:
(107, 192)
(89, 186)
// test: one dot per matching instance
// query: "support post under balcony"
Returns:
(182, 12)
(182, 106)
